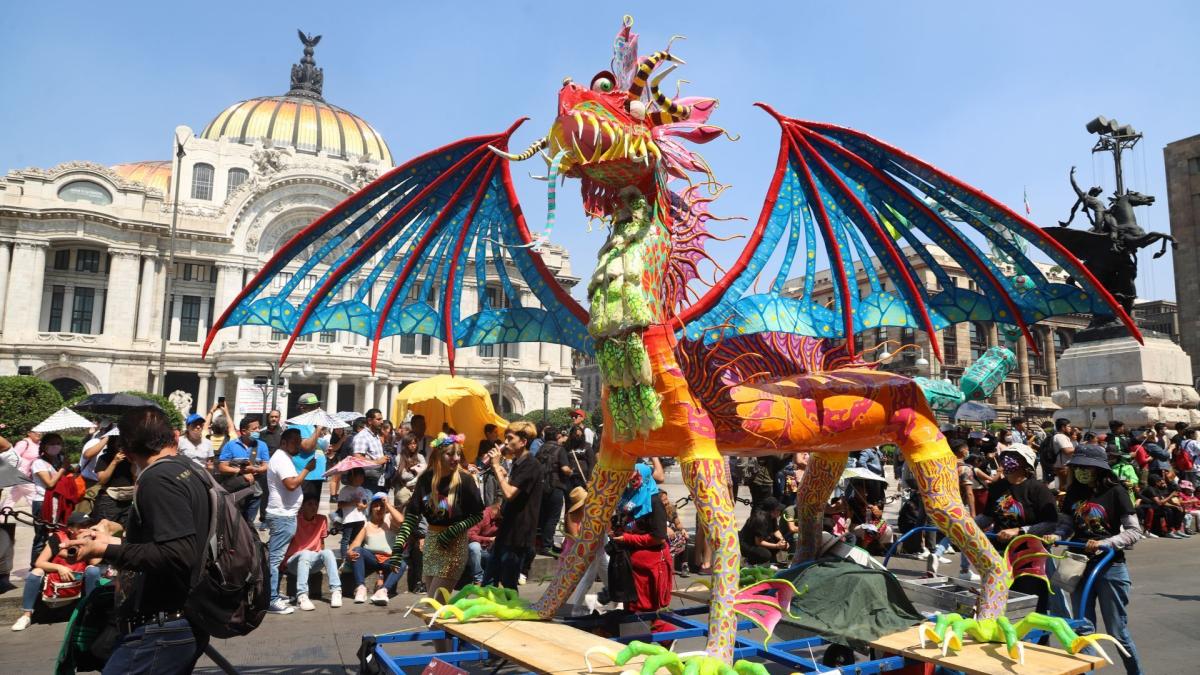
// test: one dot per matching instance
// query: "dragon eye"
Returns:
(603, 82)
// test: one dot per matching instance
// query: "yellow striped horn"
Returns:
(674, 111)
(528, 152)
(645, 68)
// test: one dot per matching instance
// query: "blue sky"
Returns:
(997, 94)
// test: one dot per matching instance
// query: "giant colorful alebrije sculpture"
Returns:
(737, 368)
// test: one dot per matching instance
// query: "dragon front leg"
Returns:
(609, 479)
(1070, 641)
(707, 480)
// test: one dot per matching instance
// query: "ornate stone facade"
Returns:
(83, 256)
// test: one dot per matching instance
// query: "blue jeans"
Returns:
(477, 560)
(366, 564)
(282, 529)
(34, 581)
(250, 508)
(301, 564)
(349, 532)
(157, 650)
(1111, 590)
(504, 567)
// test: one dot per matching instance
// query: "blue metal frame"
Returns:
(1084, 598)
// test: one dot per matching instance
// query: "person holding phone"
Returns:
(283, 503)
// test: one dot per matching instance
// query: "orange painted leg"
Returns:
(708, 481)
(821, 476)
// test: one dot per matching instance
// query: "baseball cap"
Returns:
(377, 496)
(192, 419)
(578, 412)
(308, 399)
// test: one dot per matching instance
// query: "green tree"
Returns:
(558, 417)
(24, 402)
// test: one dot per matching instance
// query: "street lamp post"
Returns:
(165, 333)
(277, 373)
(547, 380)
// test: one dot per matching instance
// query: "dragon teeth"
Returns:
(595, 130)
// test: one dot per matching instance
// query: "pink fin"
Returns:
(765, 603)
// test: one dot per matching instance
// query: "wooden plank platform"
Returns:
(540, 646)
(985, 659)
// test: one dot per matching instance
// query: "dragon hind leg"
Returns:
(822, 475)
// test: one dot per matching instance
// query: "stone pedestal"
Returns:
(1117, 378)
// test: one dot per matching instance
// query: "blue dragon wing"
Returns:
(864, 202)
(415, 231)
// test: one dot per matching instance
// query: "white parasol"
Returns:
(348, 416)
(861, 473)
(318, 418)
(64, 420)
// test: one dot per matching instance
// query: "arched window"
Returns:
(236, 178)
(84, 191)
(202, 181)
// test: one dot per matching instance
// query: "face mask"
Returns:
(1010, 463)
(323, 443)
(53, 450)
(1084, 476)
(254, 435)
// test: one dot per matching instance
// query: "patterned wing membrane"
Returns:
(392, 260)
(868, 207)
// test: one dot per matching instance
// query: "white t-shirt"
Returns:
(354, 495)
(280, 500)
(39, 487)
(1061, 442)
(87, 467)
(199, 453)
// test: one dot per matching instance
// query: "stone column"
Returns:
(147, 300)
(331, 394)
(176, 316)
(23, 305)
(4, 263)
(1051, 360)
(368, 393)
(202, 402)
(119, 312)
(383, 398)
(1023, 371)
(218, 388)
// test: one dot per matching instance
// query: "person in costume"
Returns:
(447, 497)
(1105, 518)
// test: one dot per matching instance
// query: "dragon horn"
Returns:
(529, 152)
(675, 111)
(644, 70)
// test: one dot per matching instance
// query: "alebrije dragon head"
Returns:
(620, 130)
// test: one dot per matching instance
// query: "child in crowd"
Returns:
(308, 547)
(352, 504)
(1191, 507)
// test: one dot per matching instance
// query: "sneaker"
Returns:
(304, 603)
(923, 555)
(943, 560)
(360, 595)
(974, 577)
(1174, 535)
(22, 623)
(380, 597)
(280, 606)
(335, 597)
(950, 550)
(521, 580)
(419, 589)
(1183, 534)
(1151, 535)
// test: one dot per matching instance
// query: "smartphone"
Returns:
(220, 400)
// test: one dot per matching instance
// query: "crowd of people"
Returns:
(415, 508)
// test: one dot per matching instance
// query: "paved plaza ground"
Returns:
(1165, 614)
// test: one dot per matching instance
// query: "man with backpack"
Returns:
(1055, 451)
(160, 553)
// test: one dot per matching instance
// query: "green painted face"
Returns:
(1085, 476)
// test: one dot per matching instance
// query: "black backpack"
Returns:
(1047, 455)
(229, 595)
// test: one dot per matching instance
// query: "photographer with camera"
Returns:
(242, 460)
(162, 545)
